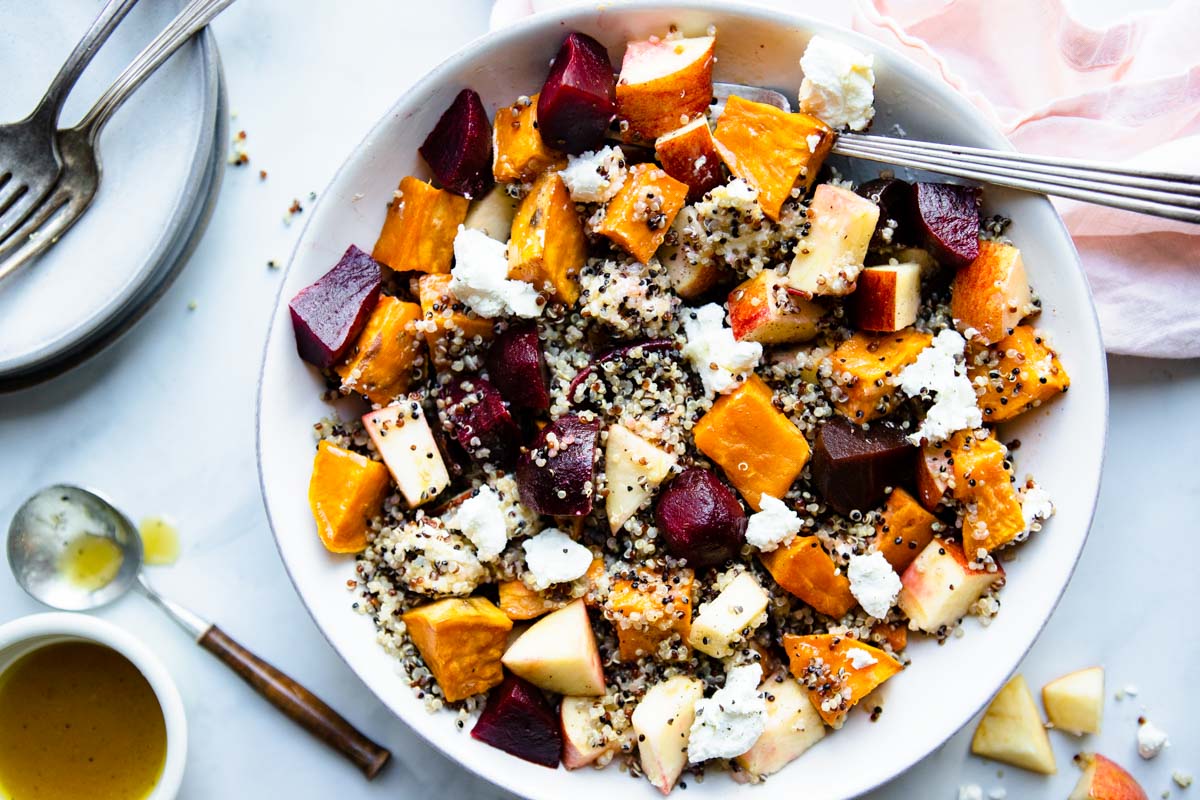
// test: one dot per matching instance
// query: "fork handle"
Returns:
(50, 106)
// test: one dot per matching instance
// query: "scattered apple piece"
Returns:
(638, 218)
(1011, 731)
(722, 623)
(793, 726)
(939, 586)
(807, 571)
(1075, 702)
(691, 275)
(829, 259)
(762, 309)
(818, 661)
(402, 436)
(663, 81)
(1103, 779)
(904, 531)
(493, 213)
(461, 640)
(346, 491)
(634, 469)
(382, 363)
(689, 154)
(548, 247)
(558, 653)
(1025, 374)
(756, 445)
(519, 152)
(887, 298)
(662, 721)
(772, 150)
(583, 740)
(991, 294)
(418, 232)
(863, 367)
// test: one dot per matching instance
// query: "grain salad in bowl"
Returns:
(671, 437)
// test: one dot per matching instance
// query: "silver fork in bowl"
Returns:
(29, 155)
(1161, 194)
(80, 175)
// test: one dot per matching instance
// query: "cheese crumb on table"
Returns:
(731, 721)
(721, 361)
(970, 791)
(775, 525)
(553, 557)
(839, 84)
(1151, 739)
(480, 278)
(939, 369)
(481, 519)
(873, 583)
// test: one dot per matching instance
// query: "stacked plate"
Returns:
(162, 157)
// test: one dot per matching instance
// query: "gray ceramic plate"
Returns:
(155, 198)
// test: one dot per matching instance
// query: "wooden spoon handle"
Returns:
(299, 703)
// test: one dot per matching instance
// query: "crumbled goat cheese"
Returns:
(595, 176)
(860, 659)
(1036, 507)
(1151, 740)
(941, 369)
(970, 791)
(999, 793)
(554, 557)
(774, 526)
(730, 722)
(481, 519)
(721, 361)
(839, 84)
(873, 583)
(479, 278)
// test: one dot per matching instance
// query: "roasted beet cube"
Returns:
(896, 201)
(700, 518)
(328, 315)
(518, 720)
(948, 218)
(518, 369)
(557, 475)
(473, 412)
(579, 98)
(853, 467)
(459, 148)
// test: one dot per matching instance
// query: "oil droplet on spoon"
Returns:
(90, 562)
(160, 541)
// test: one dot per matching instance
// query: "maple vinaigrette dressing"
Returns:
(78, 720)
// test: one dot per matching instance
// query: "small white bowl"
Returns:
(24, 635)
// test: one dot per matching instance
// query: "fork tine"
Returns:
(16, 209)
(49, 221)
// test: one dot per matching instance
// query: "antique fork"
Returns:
(81, 164)
(1162, 194)
(29, 158)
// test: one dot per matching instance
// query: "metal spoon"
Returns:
(53, 525)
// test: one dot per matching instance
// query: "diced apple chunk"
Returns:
(493, 214)
(691, 275)
(1103, 779)
(662, 81)
(558, 653)
(887, 298)
(762, 310)
(1075, 702)
(721, 624)
(793, 726)
(991, 294)
(689, 154)
(829, 259)
(583, 740)
(939, 587)
(1011, 731)
(662, 722)
(402, 437)
(634, 468)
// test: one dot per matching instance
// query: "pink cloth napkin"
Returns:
(1129, 95)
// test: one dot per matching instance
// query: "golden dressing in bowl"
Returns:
(78, 720)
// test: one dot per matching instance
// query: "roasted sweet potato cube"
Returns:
(806, 570)
(864, 367)
(519, 154)
(689, 154)
(419, 229)
(640, 215)
(772, 150)
(384, 359)
(346, 492)
(455, 325)
(649, 610)
(983, 483)
(548, 248)
(461, 640)
(904, 531)
(991, 295)
(519, 602)
(1021, 373)
(756, 445)
(820, 659)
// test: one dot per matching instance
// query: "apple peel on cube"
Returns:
(558, 653)
(887, 298)
(939, 586)
(663, 721)
(793, 726)
(664, 81)
(1011, 731)
(1104, 779)
(829, 259)
(762, 310)
(583, 742)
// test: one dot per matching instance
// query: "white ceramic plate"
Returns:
(1061, 444)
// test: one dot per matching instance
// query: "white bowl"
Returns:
(1062, 444)
(24, 635)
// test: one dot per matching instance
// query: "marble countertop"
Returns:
(164, 423)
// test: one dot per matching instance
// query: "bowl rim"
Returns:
(66, 624)
(564, 17)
